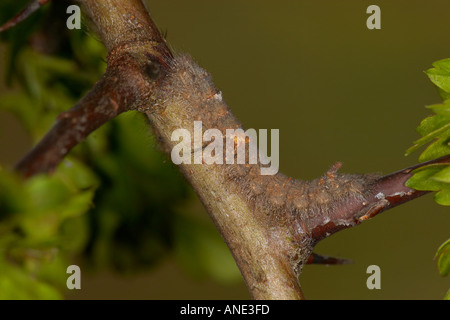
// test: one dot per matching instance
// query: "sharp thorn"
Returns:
(320, 259)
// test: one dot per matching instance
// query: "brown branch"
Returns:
(122, 23)
(99, 106)
(125, 86)
(320, 259)
(32, 7)
(384, 193)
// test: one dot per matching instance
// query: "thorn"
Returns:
(331, 173)
(32, 7)
(315, 258)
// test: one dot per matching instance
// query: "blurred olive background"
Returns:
(338, 92)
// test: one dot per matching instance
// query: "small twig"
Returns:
(32, 7)
(104, 102)
(124, 87)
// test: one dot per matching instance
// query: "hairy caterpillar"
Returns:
(189, 95)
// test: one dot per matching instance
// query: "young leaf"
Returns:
(435, 131)
(440, 76)
(443, 258)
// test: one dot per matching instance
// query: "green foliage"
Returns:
(440, 76)
(115, 202)
(134, 214)
(433, 178)
(443, 258)
(435, 131)
(443, 262)
(40, 218)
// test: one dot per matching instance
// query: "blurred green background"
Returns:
(338, 92)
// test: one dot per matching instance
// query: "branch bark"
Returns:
(32, 7)
(99, 106)
(270, 223)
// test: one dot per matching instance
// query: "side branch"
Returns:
(96, 108)
(385, 193)
(32, 7)
(135, 52)
(393, 189)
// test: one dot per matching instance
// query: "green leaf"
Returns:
(432, 123)
(16, 283)
(443, 175)
(433, 178)
(423, 179)
(76, 175)
(441, 109)
(41, 220)
(45, 192)
(440, 76)
(438, 149)
(435, 131)
(443, 258)
(443, 197)
(447, 295)
(443, 65)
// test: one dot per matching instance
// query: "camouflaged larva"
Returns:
(307, 203)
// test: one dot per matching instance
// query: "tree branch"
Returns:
(385, 193)
(99, 106)
(132, 62)
(32, 7)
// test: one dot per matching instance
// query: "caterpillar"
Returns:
(188, 94)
